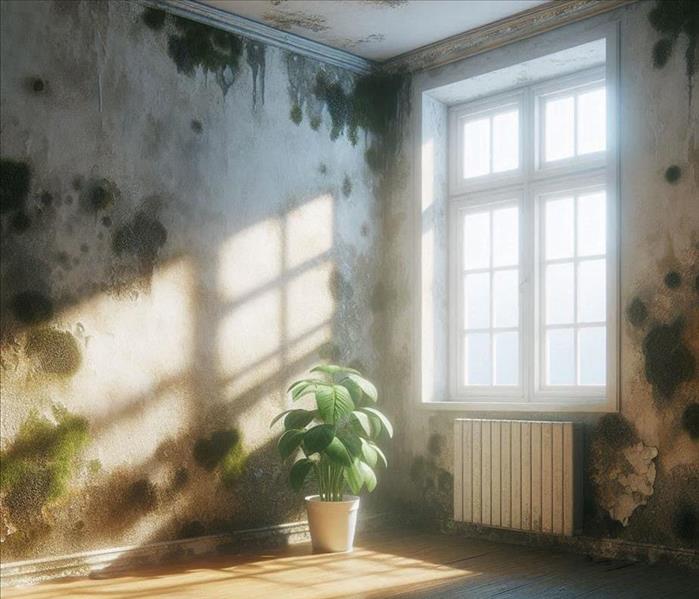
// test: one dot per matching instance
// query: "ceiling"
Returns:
(375, 29)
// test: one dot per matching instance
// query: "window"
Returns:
(532, 248)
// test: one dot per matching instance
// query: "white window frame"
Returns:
(533, 180)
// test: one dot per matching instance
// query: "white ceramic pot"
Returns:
(332, 523)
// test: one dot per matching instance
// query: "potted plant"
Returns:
(335, 442)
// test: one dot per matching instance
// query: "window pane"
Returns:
(592, 121)
(559, 293)
(592, 224)
(560, 357)
(592, 291)
(592, 356)
(505, 237)
(477, 301)
(506, 358)
(506, 298)
(559, 228)
(505, 141)
(477, 359)
(560, 122)
(476, 148)
(477, 240)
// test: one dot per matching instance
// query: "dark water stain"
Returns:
(196, 126)
(84, 248)
(106, 221)
(32, 307)
(435, 444)
(210, 452)
(365, 229)
(20, 222)
(142, 237)
(255, 53)
(685, 522)
(615, 431)
(39, 463)
(98, 195)
(15, 177)
(673, 174)
(690, 420)
(673, 279)
(322, 168)
(672, 20)
(154, 18)
(56, 352)
(142, 494)
(180, 478)
(668, 361)
(191, 530)
(340, 288)
(35, 86)
(346, 187)
(199, 46)
(46, 199)
(77, 182)
(296, 114)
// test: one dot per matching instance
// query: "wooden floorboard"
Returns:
(390, 564)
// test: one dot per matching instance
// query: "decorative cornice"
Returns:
(505, 31)
(221, 19)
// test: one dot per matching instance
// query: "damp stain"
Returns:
(615, 431)
(191, 529)
(32, 307)
(296, 114)
(685, 522)
(56, 352)
(196, 126)
(340, 288)
(142, 495)
(20, 222)
(255, 55)
(153, 18)
(288, 19)
(99, 195)
(141, 237)
(690, 420)
(346, 187)
(672, 280)
(668, 360)
(15, 177)
(221, 451)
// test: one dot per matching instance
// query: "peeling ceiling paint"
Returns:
(375, 29)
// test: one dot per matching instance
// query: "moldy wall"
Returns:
(189, 220)
(642, 464)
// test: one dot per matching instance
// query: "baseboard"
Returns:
(115, 559)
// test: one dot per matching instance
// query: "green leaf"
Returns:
(379, 453)
(368, 476)
(279, 417)
(367, 388)
(289, 442)
(301, 388)
(352, 442)
(354, 390)
(337, 452)
(299, 418)
(334, 402)
(333, 369)
(298, 473)
(363, 421)
(384, 421)
(353, 477)
(369, 453)
(318, 438)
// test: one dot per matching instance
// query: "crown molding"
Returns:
(215, 17)
(521, 26)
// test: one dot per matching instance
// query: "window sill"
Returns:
(598, 406)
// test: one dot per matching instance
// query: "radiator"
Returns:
(516, 474)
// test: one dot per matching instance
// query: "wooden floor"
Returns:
(414, 565)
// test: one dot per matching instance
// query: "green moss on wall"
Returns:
(39, 463)
(222, 451)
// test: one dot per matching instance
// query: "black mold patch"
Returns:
(669, 362)
(615, 431)
(106, 221)
(32, 307)
(35, 85)
(100, 194)
(191, 530)
(685, 522)
(142, 495)
(77, 182)
(46, 199)
(20, 222)
(673, 174)
(346, 187)
(56, 352)
(315, 123)
(296, 114)
(180, 478)
(142, 237)
(196, 126)
(672, 20)
(672, 280)
(209, 453)
(212, 50)
(690, 420)
(14, 185)
(256, 60)
(322, 168)
(154, 18)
